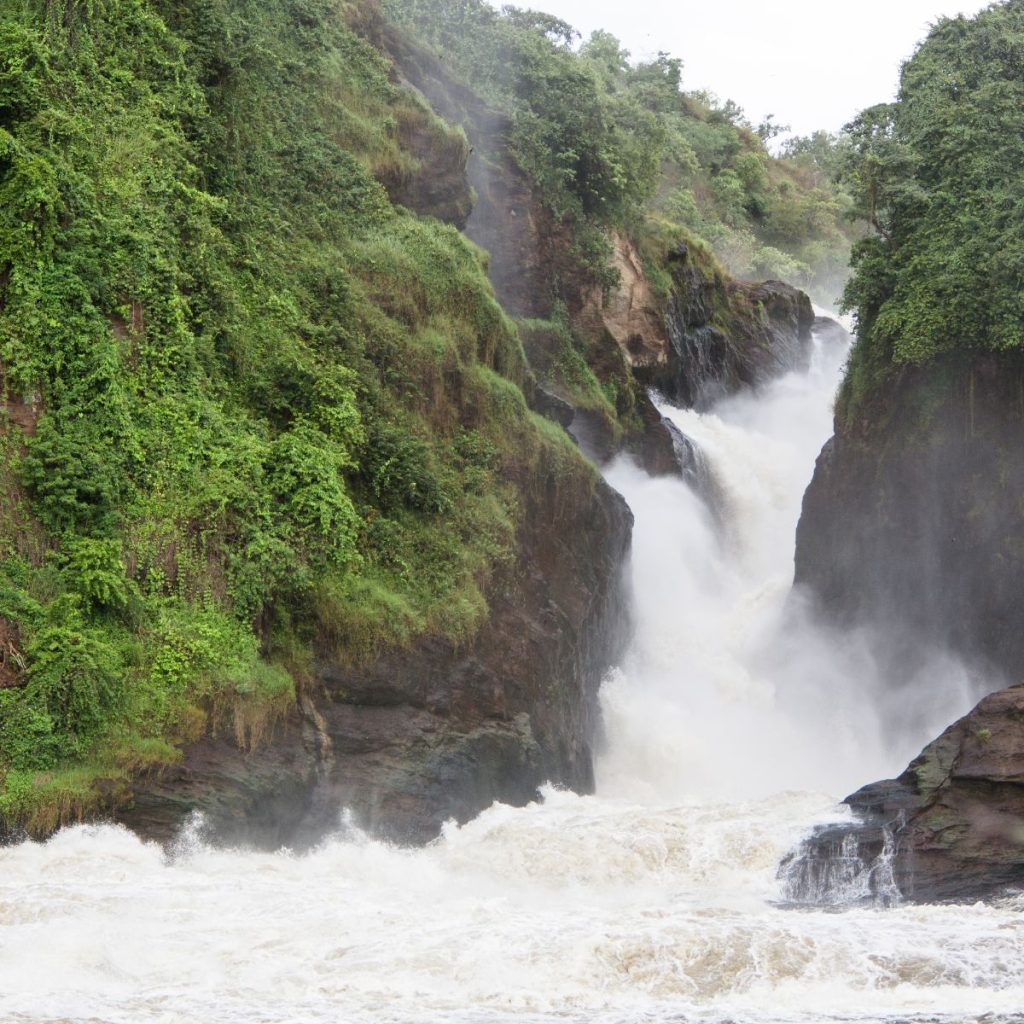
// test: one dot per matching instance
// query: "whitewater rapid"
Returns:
(733, 725)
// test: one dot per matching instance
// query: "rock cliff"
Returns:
(411, 735)
(913, 524)
(949, 829)
(710, 336)
(434, 732)
(913, 517)
(724, 335)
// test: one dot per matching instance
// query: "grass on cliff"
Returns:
(249, 403)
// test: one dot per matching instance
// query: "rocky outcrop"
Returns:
(631, 313)
(914, 517)
(724, 335)
(913, 525)
(434, 731)
(830, 332)
(438, 183)
(950, 828)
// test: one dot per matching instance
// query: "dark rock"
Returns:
(550, 405)
(258, 798)
(514, 709)
(726, 335)
(595, 433)
(913, 525)
(662, 449)
(913, 518)
(441, 187)
(434, 731)
(949, 829)
(654, 445)
(830, 332)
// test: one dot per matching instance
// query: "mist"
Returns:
(733, 725)
(734, 685)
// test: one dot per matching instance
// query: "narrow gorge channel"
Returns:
(733, 726)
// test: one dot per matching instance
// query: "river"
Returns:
(734, 724)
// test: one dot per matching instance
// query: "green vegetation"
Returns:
(939, 175)
(615, 144)
(248, 402)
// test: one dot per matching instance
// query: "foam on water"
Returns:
(732, 726)
(578, 909)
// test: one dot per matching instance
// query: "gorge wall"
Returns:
(289, 518)
(433, 731)
(913, 525)
(913, 516)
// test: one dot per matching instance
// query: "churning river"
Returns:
(734, 724)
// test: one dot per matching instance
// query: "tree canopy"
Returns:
(939, 174)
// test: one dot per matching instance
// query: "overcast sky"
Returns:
(812, 63)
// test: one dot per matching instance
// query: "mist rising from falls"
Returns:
(731, 688)
(732, 726)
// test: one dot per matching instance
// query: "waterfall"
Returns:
(852, 867)
(732, 727)
(732, 688)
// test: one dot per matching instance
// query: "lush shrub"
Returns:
(938, 175)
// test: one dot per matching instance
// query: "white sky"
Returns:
(812, 63)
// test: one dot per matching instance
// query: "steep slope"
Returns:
(283, 528)
(662, 312)
(265, 432)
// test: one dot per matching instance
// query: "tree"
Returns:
(939, 175)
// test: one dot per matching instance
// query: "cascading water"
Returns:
(733, 725)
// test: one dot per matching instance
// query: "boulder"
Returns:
(725, 335)
(949, 829)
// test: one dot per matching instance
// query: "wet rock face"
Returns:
(830, 332)
(914, 525)
(256, 799)
(440, 188)
(727, 335)
(434, 732)
(949, 829)
(527, 250)
(914, 517)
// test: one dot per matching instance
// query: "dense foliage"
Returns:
(613, 143)
(247, 401)
(939, 174)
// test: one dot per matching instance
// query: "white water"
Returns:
(732, 727)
